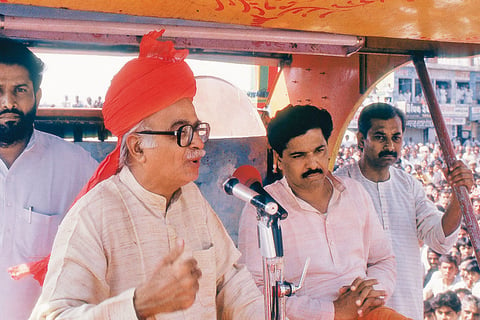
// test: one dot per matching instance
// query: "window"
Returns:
(405, 90)
(443, 90)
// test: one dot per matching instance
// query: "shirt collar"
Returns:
(338, 188)
(150, 199)
(32, 141)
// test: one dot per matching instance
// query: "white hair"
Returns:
(146, 141)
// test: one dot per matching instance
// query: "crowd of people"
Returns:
(451, 281)
(79, 103)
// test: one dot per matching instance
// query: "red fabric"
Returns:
(155, 80)
(384, 313)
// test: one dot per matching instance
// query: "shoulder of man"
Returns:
(65, 149)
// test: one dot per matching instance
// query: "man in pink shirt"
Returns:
(331, 220)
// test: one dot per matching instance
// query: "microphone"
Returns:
(233, 187)
(250, 177)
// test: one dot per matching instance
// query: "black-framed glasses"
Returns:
(185, 133)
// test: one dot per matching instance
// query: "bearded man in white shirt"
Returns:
(40, 175)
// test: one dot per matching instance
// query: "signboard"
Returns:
(474, 114)
(454, 121)
(453, 110)
(419, 123)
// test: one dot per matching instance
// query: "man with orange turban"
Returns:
(143, 242)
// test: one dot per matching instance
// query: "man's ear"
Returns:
(360, 140)
(278, 160)
(38, 96)
(134, 146)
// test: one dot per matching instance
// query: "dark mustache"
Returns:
(387, 153)
(18, 112)
(313, 171)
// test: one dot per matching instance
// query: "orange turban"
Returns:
(158, 78)
(155, 80)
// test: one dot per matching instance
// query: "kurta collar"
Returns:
(150, 199)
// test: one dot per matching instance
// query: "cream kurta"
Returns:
(114, 238)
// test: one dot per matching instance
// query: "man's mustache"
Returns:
(15, 111)
(387, 153)
(195, 154)
(312, 171)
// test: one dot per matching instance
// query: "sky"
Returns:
(90, 75)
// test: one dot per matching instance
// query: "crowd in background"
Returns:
(452, 279)
(79, 103)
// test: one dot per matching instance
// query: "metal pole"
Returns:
(448, 151)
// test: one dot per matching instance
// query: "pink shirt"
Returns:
(344, 243)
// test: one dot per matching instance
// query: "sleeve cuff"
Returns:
(121, 306)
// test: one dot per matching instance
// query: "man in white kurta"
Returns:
(115, 237)
(406, 214)
(143, 243)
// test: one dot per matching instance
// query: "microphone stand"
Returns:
(276, 289)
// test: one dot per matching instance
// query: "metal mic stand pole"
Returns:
(276, 289)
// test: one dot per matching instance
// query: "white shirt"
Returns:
(407, 216)
(35, 193)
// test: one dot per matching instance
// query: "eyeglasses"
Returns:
(185, 133)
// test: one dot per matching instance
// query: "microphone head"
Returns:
(247, 175)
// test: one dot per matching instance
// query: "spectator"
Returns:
(462, 268)
(447, 306)
(408, 169)
(476, 207)
(432, 258)
(428, 311)
(470, 308)
(448, 268)
(98, 103)
(89, 103)
(420, 176)
(444, 198)
(77, 103)
(465, 248)
(472, 164)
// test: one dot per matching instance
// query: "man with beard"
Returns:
(406, 214)
(144, 242)
(40, 175)
(330, 220)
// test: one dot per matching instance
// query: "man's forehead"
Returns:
(313, 137)
(388, 125)
(15, 74)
